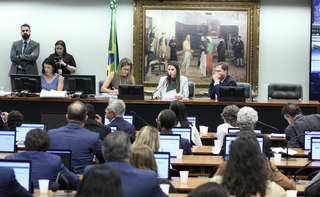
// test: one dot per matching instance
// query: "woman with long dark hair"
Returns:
(172, 81)
(246, 173)
(180, 110)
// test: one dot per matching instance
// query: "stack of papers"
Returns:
(284, 151)
(277, 135)
(53, 94)
(105, 96)
(5, 93)
(216, 150)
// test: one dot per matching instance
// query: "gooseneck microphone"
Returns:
(166, 81)
(298, 171)
(134, 114)
(55, 186)
(265, 124)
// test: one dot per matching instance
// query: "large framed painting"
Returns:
(198, 34)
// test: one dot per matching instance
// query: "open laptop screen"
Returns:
(26, 127)
(193, 120)
(170, 143)
(128, 118)
(185, 132)
(237, 130)
(7, 141)
(163, 164)
(315, 148)
(307, 138)
(22, 170)
(65, 155)
(113, 128)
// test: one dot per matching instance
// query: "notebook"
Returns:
(113, 128)
(193, 120)
(237, 130)
(7, 141)
(185, 132)
(65, 155)
(128, 118)
(25, 128)
(163, 164)
(22, 170)
(170, 143)
(307, 138)
(315, 148)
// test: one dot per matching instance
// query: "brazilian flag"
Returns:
(113, 57)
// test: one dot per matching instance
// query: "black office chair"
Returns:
(285, 91)
(100, 83)
(192, 89)
(248, 89)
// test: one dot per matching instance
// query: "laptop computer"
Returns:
(22, 170)
(113, 128)
(307, 138)
(163, 164)
(65, 155)
(128, 118)
(315, 149)
(54, 119)
(170, 143)
(237, 130)
(185, 132)
(193, 120)
(8, 141)
(25, 128)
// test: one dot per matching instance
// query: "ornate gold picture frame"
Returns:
(221, 30)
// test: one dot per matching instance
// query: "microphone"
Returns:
(134, 114)
(91, 150)
(265, 124)
(166, 81)
(55, 186)
(295, 175)
(45, 88)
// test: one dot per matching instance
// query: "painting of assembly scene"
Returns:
(198, 40)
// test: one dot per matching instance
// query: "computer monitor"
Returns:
(237, 130)
(53, 119)
(315, 149)
(65, 155)
(26, 82)
(113, 128)
(185, 132)
(193, 120)
(128, 118)
(307, 138)
(232, 93)
(22, 171)
(132, 92)
(21, 132)
(170, 143)
(7, 141)
(85, 84)
(163, 164)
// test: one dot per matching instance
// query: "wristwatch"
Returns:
(66, 65)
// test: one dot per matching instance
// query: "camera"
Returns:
(57, 59)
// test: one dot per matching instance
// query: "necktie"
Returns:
(25, 47)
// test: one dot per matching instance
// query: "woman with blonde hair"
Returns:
(149, 136)
(123, 76)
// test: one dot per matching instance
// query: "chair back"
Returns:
(247, 87)
(285, 91)
(100, 84)
(192, 89)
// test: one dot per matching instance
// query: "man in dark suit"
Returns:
(135, 182)
(166, 121)
(220, 78)
(94, 122)
(24, 53)
(115, 112)
(247, 120)
(80, 140)
(9, 186)
(298, 123)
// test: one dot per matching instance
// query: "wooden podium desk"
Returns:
(207, 111)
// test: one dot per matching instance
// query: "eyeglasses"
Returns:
(127, 69)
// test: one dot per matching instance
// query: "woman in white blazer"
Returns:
(172, 81)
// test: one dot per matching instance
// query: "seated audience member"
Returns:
(135, 182)
(101, 181)
(313, 187)
(229, 117)
(142, 157)
(80, 140)
(247, 120)
(3, 120)
(209, 190)
(149, 136)
(220, 78)
(246, 172)
(172, 81)
(65, 63)
(278, 177)
(50, 79)
(14, 119)
(166, 121)
(180, 110)
(94, 122)
(115, 112)
(123, 76)
(298, 123)
(44, 165)
(9, 186)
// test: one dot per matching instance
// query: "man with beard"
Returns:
(187, 54)
(24, 53)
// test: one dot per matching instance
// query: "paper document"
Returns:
(53, 94)
(5, 93)
(216, 150)
(277, 135)
(170, 95)
(284, 151)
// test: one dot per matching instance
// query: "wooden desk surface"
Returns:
(213, 136)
